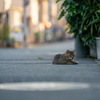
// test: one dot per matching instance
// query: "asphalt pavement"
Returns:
(28, 74)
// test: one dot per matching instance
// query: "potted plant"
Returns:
(83, 19)
(91, 21)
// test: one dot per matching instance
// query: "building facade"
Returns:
(40, 15)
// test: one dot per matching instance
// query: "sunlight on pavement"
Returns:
(44, 86)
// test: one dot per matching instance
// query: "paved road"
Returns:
(40, 80)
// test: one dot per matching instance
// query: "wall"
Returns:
(18, 3)
(1, 6)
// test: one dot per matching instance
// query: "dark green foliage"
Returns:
(83, 19)
(5, 40)
(57, 1)
(4, 32)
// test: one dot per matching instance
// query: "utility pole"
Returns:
(26, 2)
(3, 16)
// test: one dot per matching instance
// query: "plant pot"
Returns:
(93, 51)
(80, 50)
(98, 47)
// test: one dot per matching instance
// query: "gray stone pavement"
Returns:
(35, 65)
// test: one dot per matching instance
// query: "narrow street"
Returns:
(28, 74)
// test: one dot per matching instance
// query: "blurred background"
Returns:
(28, 22)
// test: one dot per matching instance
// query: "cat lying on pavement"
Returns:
(66, 58)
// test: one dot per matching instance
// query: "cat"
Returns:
(69, 54)
(66, 58)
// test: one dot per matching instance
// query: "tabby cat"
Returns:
(66, 58)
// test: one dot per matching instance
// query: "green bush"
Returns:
(83, 19)
(5, 41)
(4, 32)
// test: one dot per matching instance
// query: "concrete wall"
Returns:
(7, 4)
(18, 3)
(1, 6)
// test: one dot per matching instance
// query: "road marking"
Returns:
(43, 86)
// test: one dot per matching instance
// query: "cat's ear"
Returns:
(67, 51)
(74, 50)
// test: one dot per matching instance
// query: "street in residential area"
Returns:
(28, 74)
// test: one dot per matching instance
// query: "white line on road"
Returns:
(43, 86)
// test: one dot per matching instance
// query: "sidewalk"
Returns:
(26, 65)
(35, 65)
(41, 69)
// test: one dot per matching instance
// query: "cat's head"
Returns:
(71, 53)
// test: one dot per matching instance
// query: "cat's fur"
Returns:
(66, 58)
(69, 54)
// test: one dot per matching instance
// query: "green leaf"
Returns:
(96, 15)
(98, 25)
(82, 13)
(40, 58)
(64, 4)
(61, 14)
(94, 21)
(69, 1)
(99, 30)
(85, 2)
(67, 6)
(98, 11)
(83, 22)
(67, 29)
(57, 1)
